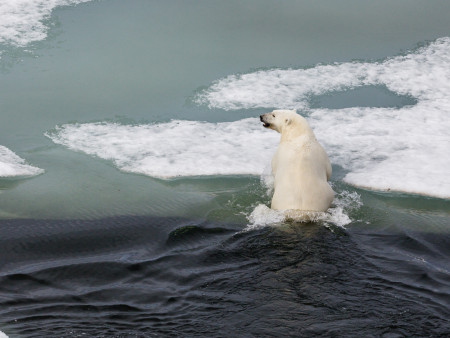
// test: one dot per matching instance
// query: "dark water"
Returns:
(143, 276)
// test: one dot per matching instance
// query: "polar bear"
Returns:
(300, 166)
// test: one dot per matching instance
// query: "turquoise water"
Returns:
(143, 62)
(128, 111)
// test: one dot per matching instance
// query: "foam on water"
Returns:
(22, 21)
(343, 203)
(3, 335)
(381, 148)
(177, 148)
(12, 165)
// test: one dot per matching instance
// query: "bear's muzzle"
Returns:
(265, 124)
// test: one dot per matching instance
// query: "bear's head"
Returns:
(286, 122)
(277, 119)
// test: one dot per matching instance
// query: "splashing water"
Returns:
(344, 203)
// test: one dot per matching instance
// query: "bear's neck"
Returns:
(289, 134)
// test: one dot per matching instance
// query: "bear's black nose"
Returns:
(261, 118)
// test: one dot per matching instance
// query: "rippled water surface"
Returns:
(142, 276)
(135, 175)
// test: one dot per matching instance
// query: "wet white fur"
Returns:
(300, 166)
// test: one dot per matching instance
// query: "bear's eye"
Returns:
(273, 115)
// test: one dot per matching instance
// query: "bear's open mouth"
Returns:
(265, 124)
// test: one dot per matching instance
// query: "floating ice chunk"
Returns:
(12, 165)
(386, 149)
(423, 74)
(177, 148)
(21, 21)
